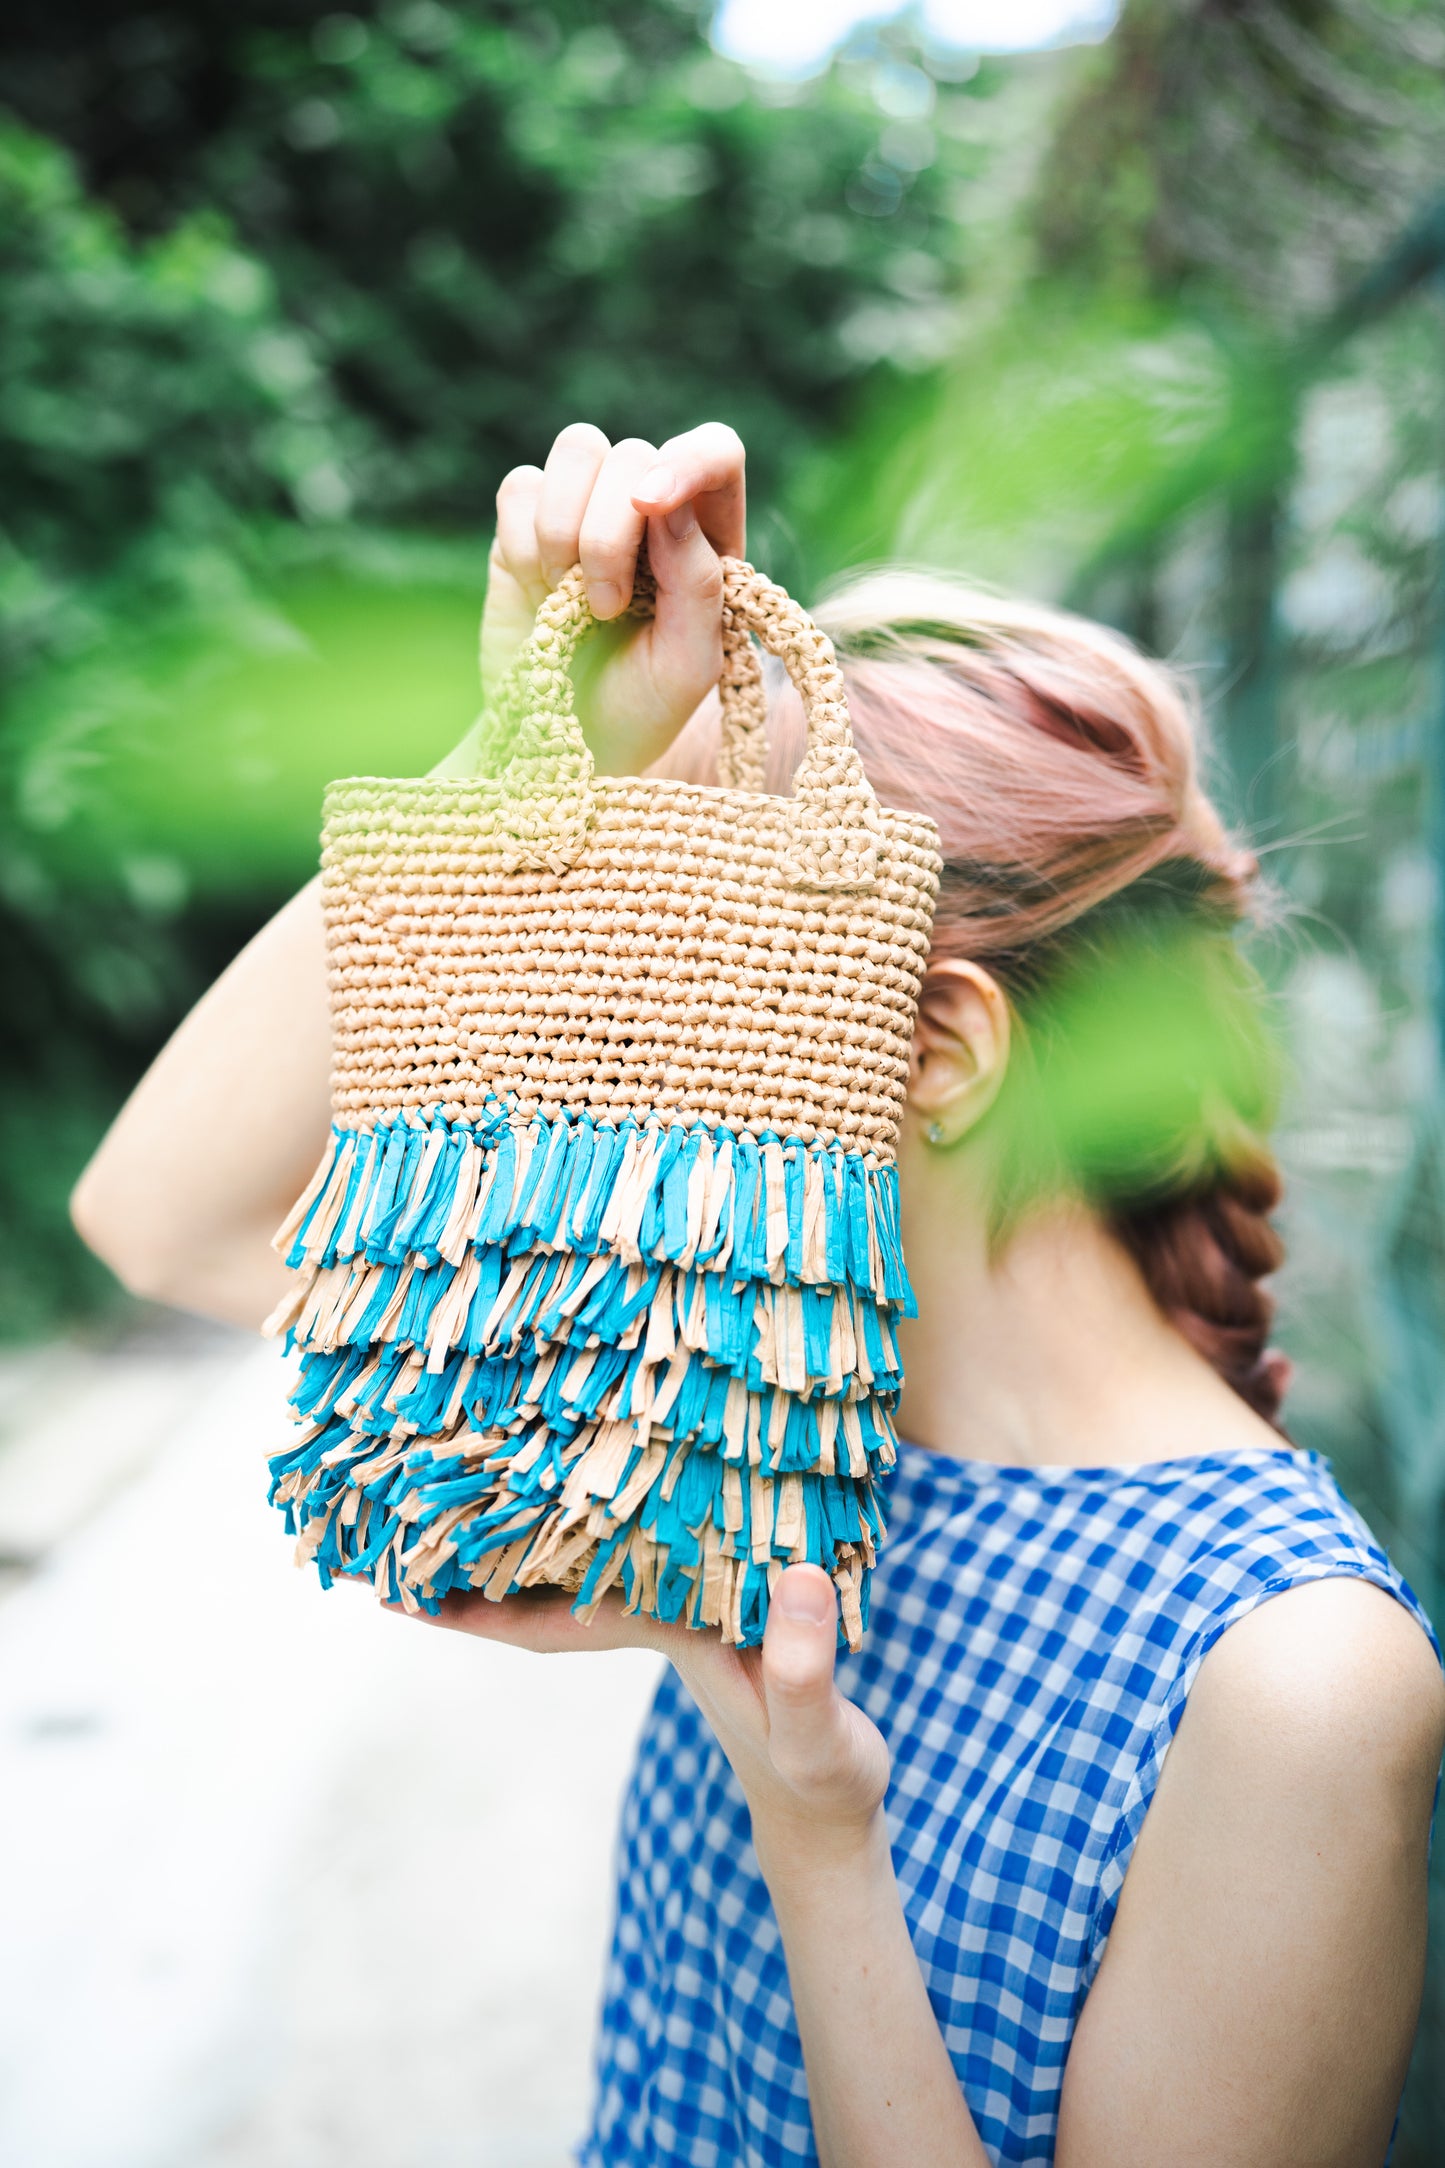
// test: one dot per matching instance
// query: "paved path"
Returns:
(289, 1882)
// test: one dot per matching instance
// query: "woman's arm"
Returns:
(1259, 1994)
(222, 1133)
(881, 2086)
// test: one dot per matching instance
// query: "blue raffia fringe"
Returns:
(589, 1354)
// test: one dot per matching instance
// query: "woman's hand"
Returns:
(593, 503)
(812, 1767)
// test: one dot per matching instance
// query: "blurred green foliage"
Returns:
(470, 224)
(1141, 1063)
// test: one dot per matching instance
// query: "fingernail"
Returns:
(681, 523)
(657, 483)
(603, 599)
(804, 1596)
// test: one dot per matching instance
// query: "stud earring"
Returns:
(935, 1132)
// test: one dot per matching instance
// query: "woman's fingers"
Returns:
(542, 1619)
(704, 467)
(592, 498)
(572, 468)
(612, 527)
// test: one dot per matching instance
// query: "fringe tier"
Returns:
(565, 1352)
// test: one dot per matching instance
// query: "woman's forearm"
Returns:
(882, 2088)
(222, 1132)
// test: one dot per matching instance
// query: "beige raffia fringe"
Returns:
(596, 1283)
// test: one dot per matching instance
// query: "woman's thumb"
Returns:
(805, 1716)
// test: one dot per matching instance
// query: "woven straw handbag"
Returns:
(596, 1281)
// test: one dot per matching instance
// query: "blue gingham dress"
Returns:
(1034, 1634)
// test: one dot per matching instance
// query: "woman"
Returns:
(964, 1909)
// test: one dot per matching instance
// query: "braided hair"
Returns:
(1204, 1255)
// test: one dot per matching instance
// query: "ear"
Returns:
(960, 1048)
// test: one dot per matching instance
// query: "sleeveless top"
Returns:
(1034, 1634)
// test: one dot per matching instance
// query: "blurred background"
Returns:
(1139, 309)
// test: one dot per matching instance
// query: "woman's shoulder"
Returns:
(1280, 1525)
(1276, 1882)
(1331, 1678)
(1310, 1670)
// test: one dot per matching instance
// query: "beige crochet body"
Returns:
(627, 945)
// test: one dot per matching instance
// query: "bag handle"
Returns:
(837, 825)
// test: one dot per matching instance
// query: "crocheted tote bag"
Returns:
(597, 1278)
